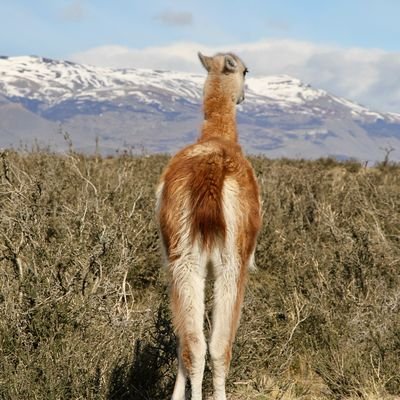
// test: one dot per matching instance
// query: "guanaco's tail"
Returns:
(207, 218)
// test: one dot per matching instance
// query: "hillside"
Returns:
(83, 294)
(159, 111)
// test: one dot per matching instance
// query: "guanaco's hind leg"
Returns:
(187, 297)
(180, 382)
(230, 277)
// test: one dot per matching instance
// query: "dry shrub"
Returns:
(83, 296)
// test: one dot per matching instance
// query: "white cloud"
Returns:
(369, 76)
(180, 57)
(277, 25)
(74, 11)
(175, 18)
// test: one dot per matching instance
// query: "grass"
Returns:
(84, 297)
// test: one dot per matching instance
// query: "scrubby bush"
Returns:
(84, 298)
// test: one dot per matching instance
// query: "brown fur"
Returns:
(192, 191)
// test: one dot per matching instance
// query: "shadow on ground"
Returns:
(149, 375)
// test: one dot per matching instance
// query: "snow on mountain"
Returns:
(53, 81)
(161, 111)
(283, 89)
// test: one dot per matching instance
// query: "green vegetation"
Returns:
(84, 298)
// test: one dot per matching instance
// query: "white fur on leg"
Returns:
(226, 267)
(196, 375)
(188, 272)
(225, 295)
(180, 383)
(188, 276)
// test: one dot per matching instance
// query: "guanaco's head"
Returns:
(230, 70)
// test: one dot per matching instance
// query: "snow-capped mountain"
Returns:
(161, 111)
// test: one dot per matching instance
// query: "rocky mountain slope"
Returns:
(159, 111)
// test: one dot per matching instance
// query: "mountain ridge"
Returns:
(161, 111)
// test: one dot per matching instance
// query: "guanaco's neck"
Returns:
(219, 114)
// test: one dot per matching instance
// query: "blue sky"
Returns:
(351, 48)
(61, 27)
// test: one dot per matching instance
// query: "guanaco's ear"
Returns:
(230, 64)
(206, 61)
